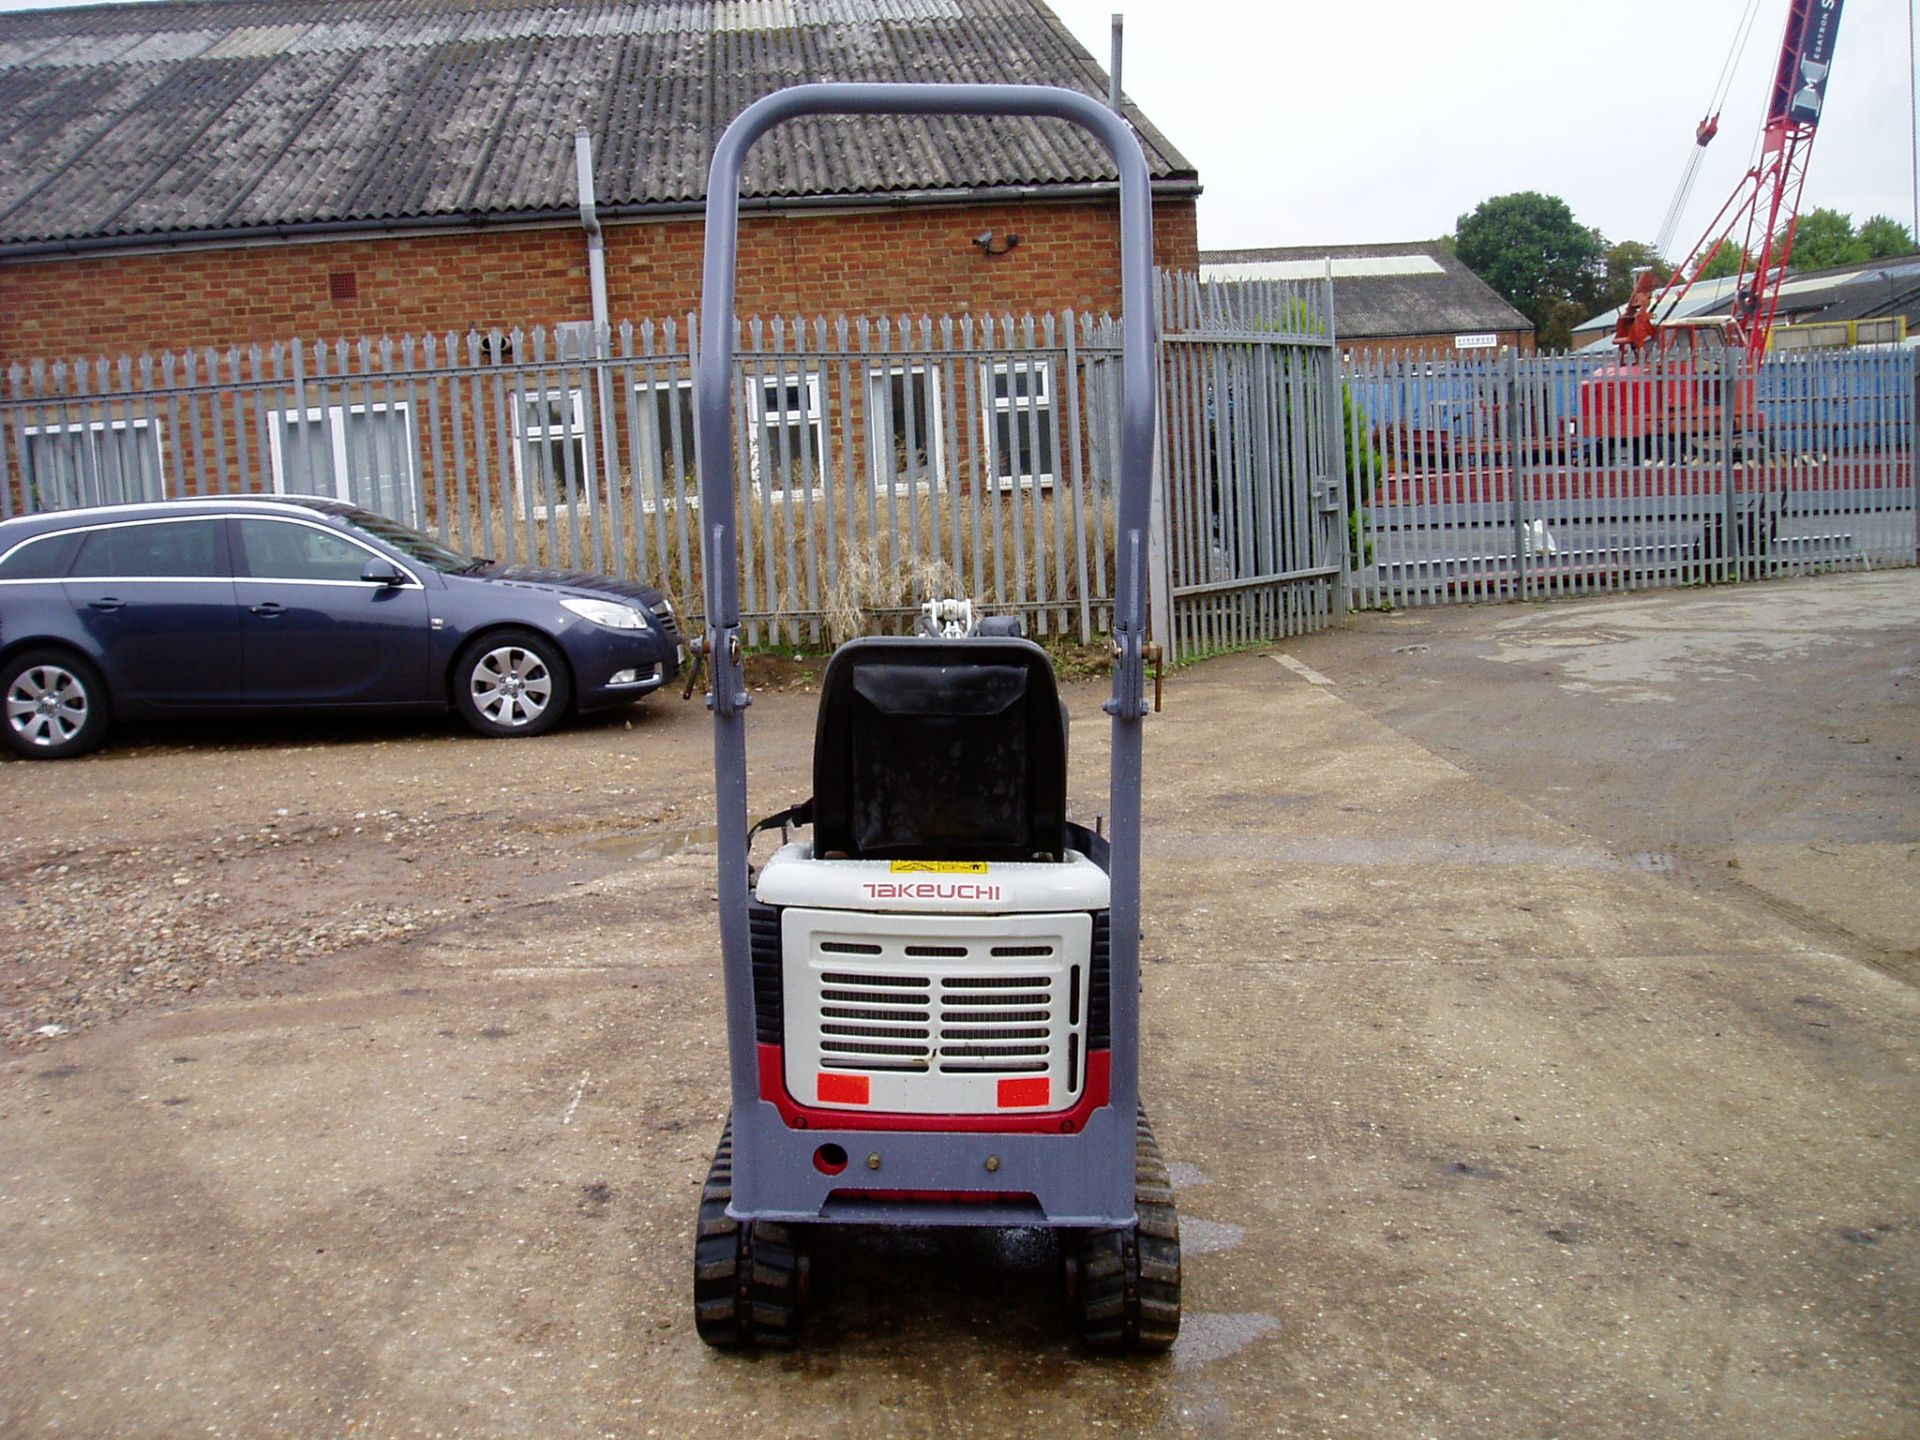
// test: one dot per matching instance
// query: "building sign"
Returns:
(1475, 342)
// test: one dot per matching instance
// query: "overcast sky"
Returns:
(1381, 120)
(1354, 121)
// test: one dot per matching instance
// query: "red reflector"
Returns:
(1035, 1091)
(846, 1090)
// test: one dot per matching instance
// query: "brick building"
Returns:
(221, 172)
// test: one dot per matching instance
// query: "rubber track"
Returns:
(746, 1278)
(1129, 1281)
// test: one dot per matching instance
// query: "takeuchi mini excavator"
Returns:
(932, 996)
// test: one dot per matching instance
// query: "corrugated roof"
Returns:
(1863, 290)
(1383, 292)
(212, 115)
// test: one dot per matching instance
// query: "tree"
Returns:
(1624, 261)
(1531, 250)
(1726, 260)
(1886, 237)
(1825, 237)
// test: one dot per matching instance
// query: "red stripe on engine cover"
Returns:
(1028, 1091)
(1095, 1096)
(843, 1089)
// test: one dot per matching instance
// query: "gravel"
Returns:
(157, 870)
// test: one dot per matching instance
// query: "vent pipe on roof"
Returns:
(1113, 70)
(602, 342)
(590, 222)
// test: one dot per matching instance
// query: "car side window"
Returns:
(46, 557)
(167, 550)
(283, 550)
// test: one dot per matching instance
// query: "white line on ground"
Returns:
(579, 1090)
(1305, 671)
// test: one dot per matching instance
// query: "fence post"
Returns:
(1159, 536)
(1333, 393)
(1730, 507)
(1913, 450)
(1509, 412)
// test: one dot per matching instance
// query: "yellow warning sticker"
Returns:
(938, 867)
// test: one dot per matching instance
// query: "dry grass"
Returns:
(1013, 542)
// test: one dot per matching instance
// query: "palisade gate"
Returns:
(881, 461)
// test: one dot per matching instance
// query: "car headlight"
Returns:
(608, 613)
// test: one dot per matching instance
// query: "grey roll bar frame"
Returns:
(1089, 1181)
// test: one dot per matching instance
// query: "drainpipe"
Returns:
(1113, 70)
(597, 286)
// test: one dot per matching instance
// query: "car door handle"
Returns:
(106, 602)
(268, 607)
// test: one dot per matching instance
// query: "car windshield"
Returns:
(412, 543)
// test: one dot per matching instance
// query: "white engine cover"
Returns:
(793, 877)
(935, 1014)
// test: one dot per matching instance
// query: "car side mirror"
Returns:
(383, 572)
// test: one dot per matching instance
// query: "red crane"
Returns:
(1668, 394)
(1763, 210)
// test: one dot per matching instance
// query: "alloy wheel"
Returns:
(47, 705)
(511, 686)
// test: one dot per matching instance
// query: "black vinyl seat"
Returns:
(939, 749)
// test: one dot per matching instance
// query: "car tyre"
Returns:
(511, 682)
(53, 705)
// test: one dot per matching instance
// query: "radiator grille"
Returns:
(763, 929)
(937, 1018)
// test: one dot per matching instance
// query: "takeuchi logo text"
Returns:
(931, 890)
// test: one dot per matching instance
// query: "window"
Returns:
(1020, 422)
(94, 463)
(789, 436)
(551, 461)
(906, 431)
(663, 459)
(359, 453)
(45, 557)
(158, 550)
(288, 550)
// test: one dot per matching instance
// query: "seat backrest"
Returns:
(939, 749)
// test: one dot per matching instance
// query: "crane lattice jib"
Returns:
(1761, 214)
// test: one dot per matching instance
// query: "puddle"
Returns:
(1208, 1237)
(657, 844)
(1206, 1338)
(1185, 1176)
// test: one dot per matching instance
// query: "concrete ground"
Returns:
(1532, 1027)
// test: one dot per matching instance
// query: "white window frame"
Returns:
(335, 417)
(525, 435)
(654, 442)
(154, 424)
(810, 419)
(1018, 407)
(884, 427)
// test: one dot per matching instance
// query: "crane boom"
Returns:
(1761, 214)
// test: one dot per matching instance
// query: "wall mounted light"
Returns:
(985, 241)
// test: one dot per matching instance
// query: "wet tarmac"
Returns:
(1530, 1030)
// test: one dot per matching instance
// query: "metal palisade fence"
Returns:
(1253, 473)
(882, 462)
(1533, 476)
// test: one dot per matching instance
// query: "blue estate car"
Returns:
(234, 603)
